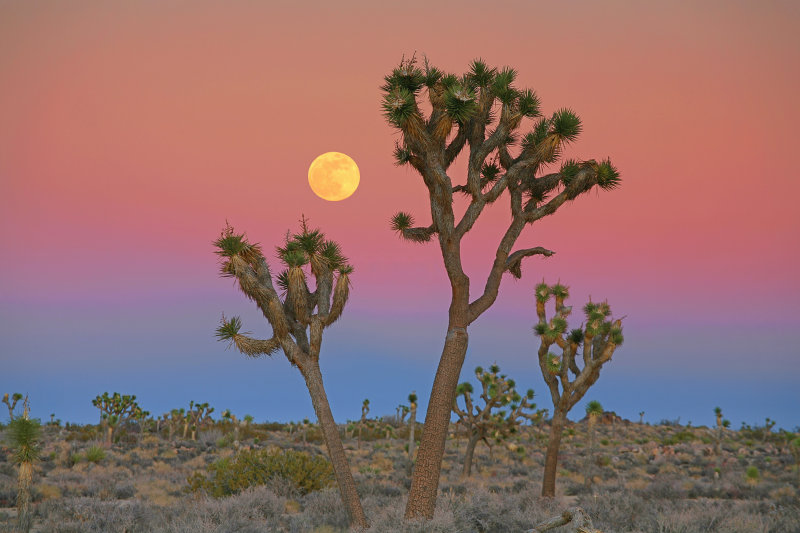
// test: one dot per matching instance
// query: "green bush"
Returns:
(752, 473)
(248, 468)
(95, 454)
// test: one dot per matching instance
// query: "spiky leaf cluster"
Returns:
(24, 439)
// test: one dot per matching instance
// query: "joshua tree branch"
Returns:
(483, 302)
(514, 261)
(256, 347)
(455, 146)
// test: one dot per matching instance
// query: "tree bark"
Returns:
(551, 458)
(24, 518)
(473, 440)
(330, 432)
(425, 480)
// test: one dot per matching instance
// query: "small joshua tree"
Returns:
(768, 425)
(198, 416)
(11, 404)
(719, 430)
(491, 421)
(363, 421)
(599, 338)
(115, 410)
(594, 410)
(412, 424)
(296, 327)
(24, 436)
(174, 420)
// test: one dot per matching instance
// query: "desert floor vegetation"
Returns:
(638, 478)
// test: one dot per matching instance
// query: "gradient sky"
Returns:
(130, 132)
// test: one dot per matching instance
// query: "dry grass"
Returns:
(631, 482)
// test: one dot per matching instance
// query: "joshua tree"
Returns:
(641, 418)
(718, 431)
(197, 417)
(363, 421)
(412, 424)
(491, 422)
(600, 337)
(174, 420)
(12, 404)
(463, 113)
(594, 410)
(24, 439)
(768, 425)
(115, 410)
(296, 327)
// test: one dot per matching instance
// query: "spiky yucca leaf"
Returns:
(560, 291)
(553, 363)
(608, 176)
(478, 370)
(23, 436)
(398, 106)
(566, 124)
(294, 258)
(576, 336)
(412, 398)
(589, 308)
(615, 335)
(309, 242)
(331, 253)
(432, 75)
(559, 325)
(494, 369)
(594, 408)
(528, 104)
(401, 155)
(569, 169)
(490, 171)
(407, 76)
(541, 329)
(401, 221)
(465, 387)
(529, 395)
(537, 135)
(459, 101)
(542, 292)
(283, 281)
(346, 270)
(228, 328)
(480, 75)
(230, 244)
(502, 87)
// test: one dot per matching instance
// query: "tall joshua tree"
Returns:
(297, 321)
(11, 404)
(565, 378)
(412, 424)
(484, 111)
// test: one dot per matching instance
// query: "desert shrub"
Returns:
(95, 454)
(249, 468)
(752, 473)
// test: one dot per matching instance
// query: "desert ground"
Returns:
(629, 477)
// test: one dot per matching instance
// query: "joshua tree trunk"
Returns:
(109, 435)
(425, 481)
(473, 440)
(551, 459)
(330, 432)
(24, 518)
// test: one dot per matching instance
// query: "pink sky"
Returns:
(129, 133)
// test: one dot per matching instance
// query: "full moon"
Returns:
(333, 176)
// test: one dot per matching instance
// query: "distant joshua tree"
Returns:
(296, 327)
(594, 410)
(115, 410)
(12, 404)
(600, 338)
(490, 421)
(197, 417)
(412, 424)
(24, 437)
(363, 422)
(483, 112)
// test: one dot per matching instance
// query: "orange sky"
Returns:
(129, 133)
